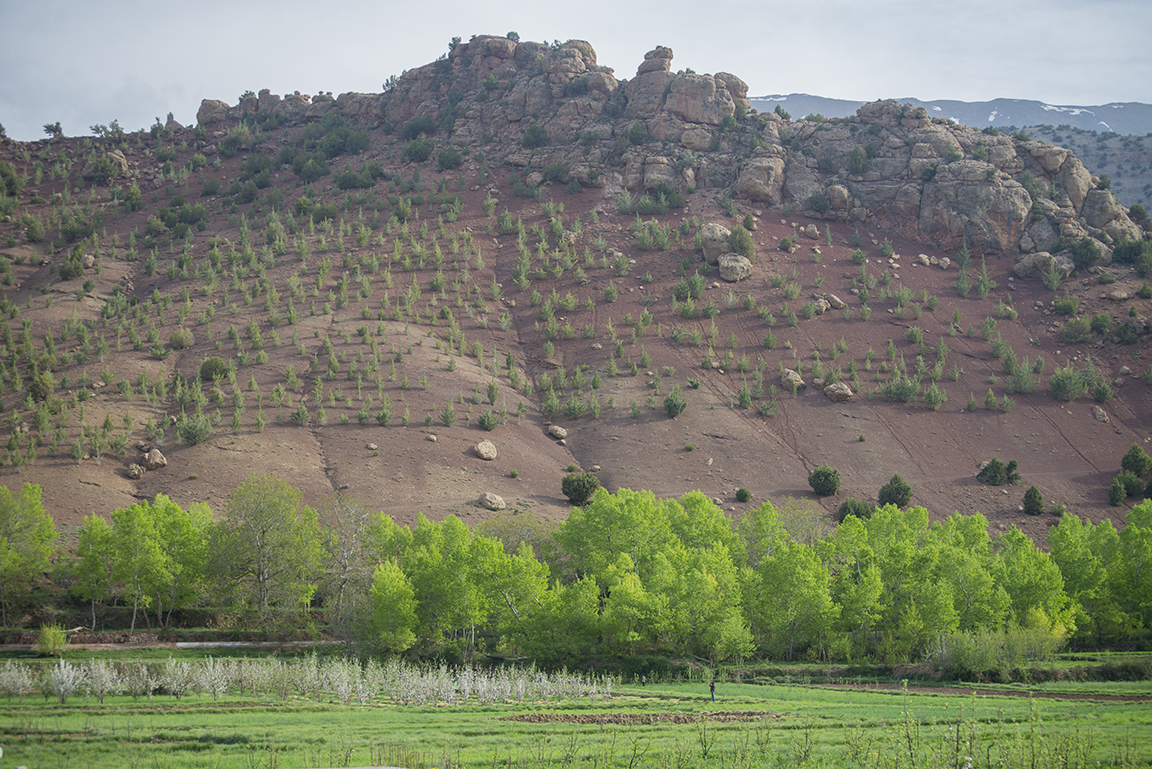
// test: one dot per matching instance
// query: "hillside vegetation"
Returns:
(644, 279)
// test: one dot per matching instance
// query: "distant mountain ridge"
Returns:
(1113, 140)
(1117, 117)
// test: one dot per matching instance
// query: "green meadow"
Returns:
(849, 722)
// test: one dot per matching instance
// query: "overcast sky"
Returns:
(82, 62)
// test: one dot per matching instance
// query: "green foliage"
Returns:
(853, 506)
(1033, 501)
(268, 546)
(52, 640)
(213, 368)
(1067, 384)
(27, 542)
(824, 480)
(1066, 304)
(1117, 492)
(743, 494)
(417, 126)
(449, 158)
(740, 241)
(1076, 330)
(638, 134)
(857, 161)
(1136, 461)
(534, 137)
(194, 429)
(1133, 484)
(1085, 253)
(996, 473)
(674, 403)
(895, 492)
(579, 487)
(418, 150)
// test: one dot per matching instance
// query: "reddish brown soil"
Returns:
(1060, 447)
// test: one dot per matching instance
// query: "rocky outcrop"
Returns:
(762, 179)
(211, 112)
(890, 166)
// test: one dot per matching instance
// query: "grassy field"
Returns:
(666, 726)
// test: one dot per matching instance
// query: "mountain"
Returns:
(1112, 140)
(354, 291)
(1133, 118)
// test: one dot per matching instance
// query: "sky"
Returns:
(84, 63)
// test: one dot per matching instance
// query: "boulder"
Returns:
(154, 460)
(1099, 414)
(556, 431)
(734, 267)
(135, 472)
(88, 261)
(490, 501)
(790, 379)
(696, 99)
(736, 87)
(1036, 265)
(212, 111)
(838, 392)
(761, 180)
(714, 241)
(659, 59)
(486, 450)
(812, 232)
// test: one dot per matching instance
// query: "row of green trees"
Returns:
(626, 574)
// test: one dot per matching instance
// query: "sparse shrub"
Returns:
(533, 138)
(181, 339)
(674, 403)
(895, 492)
(1133, 484)
(740, 241)
(1067, 384)
(212, 369)
(194, 429)
(488, 420)
(579, 487)
(449, 158)
(1136, 461)
(824, 480)
(418, 150)
(52, 640)
(743, 494)
(1117, 492)
(853, 506)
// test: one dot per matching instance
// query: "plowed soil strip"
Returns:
(963, 690)
(628, 719)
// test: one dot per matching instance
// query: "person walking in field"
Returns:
(712, 689)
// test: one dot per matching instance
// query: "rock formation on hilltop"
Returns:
(539, 107)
